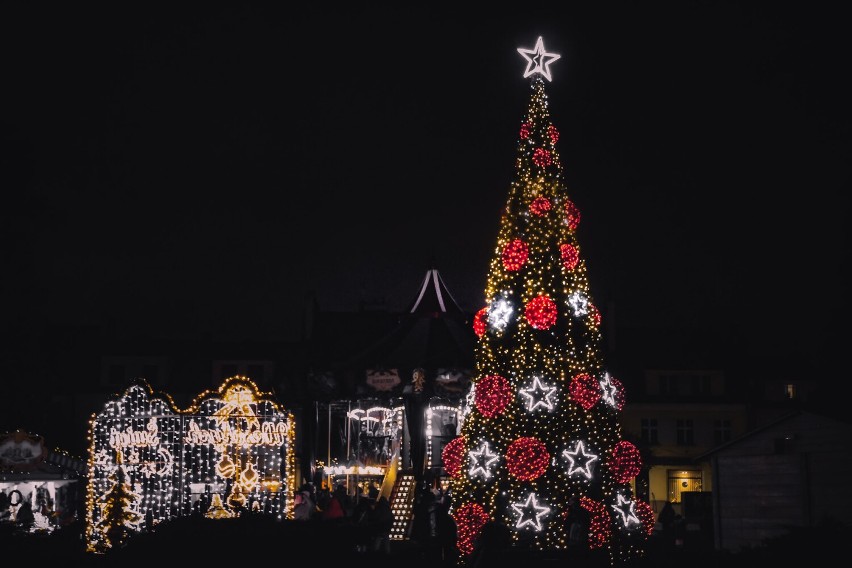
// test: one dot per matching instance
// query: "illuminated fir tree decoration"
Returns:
(542, 397)
(120, 517)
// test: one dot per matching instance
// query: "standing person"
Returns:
(667, 519)
(304, 509)
(382, 523)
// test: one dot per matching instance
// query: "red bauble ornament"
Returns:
(570, 256)
(453, 456)
(493, 393)
(595, 314)
(625, 463)
(480, 322)
(515, 255)
(541, 312)
(540, 206)
(542, 158)
(469, 520)
(599, 525)
(572, 215)
(525, 131)
(646, 515)
(584, 390)
(553, 133)
(527, 458)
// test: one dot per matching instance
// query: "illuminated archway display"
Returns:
(230, 452)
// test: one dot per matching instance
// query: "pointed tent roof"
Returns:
(434, 297)
(433, 332)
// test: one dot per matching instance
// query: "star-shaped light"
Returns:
(627, 509)
(609, 390)
(538, 60)
(530, 513)
(579, 461)
(538, 395)
(579, 303)
(499, 313)
(482, 459)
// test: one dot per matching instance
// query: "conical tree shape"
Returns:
(120, 519)
(541, 445)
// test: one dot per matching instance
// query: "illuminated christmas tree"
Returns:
(541, 440)
(120, 518)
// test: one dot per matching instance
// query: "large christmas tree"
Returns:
(541, 447)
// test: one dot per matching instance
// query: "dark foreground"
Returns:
(260, 539)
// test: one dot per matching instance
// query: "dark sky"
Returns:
(204, 169)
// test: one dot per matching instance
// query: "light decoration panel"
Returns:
(229, 453)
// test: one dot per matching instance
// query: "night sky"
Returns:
(203, 170)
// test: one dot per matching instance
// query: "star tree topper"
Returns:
(538, 60)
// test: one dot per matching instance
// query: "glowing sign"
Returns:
(231, 452)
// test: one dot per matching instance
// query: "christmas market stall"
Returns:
(230, 453)
(39, 488)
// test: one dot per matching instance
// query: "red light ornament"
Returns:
(625, 462)
(469, 520)
(541, 312)
(527, 458)
(480, 322)
(515, 255)
(542, 157)
(493, 393)
(453, 456)
(570, 256)
(584, 390)
(572, 215)
(540, 206)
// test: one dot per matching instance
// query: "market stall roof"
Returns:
(434, 332)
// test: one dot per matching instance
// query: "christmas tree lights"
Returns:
(543, 430)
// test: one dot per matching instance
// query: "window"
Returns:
(649, 431)
(685, 432)
(228, 371)
(700, 385)
(790, 391)
(722, 431)
(667, 385)
(683, 480)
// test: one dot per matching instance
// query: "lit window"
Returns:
(790, 391)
